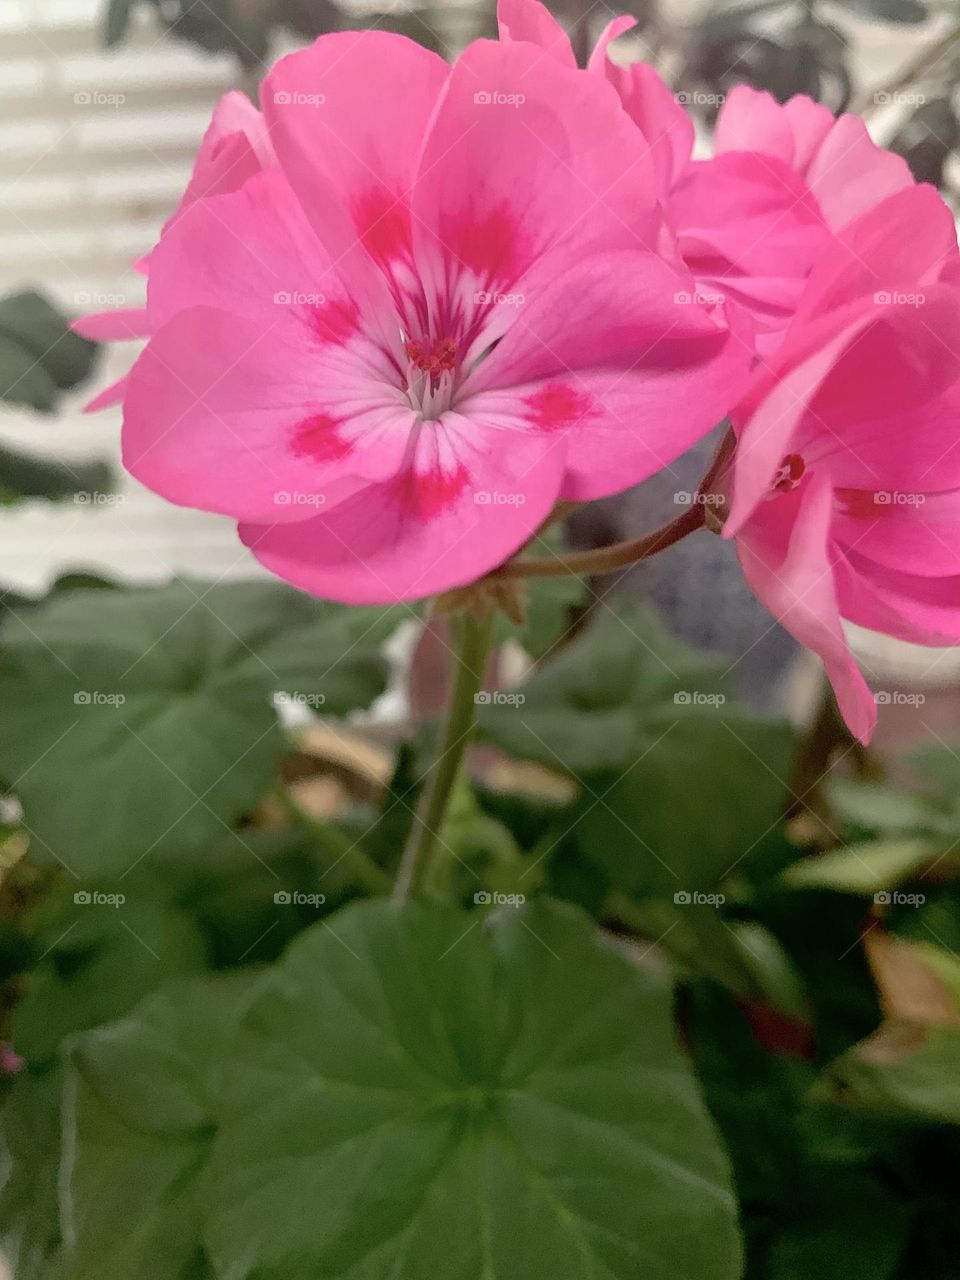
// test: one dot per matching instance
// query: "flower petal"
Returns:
(643, 373)
(469, 496)
(257, 422)
(785, 555)
(531, 21)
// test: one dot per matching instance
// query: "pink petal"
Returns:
(753, 121)
(614, 28)
(121, 325)
(528, 167)
(258, 422)
(110, 396)
(347, 117)
(653, 107)
(849, 173)
(873, 254)
(917, 609)
(470, 496)
(252, 253)
(531, 21)
(910, 532)
(747, 222)
(642, 374)
(785, 555)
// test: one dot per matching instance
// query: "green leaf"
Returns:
(141, 1100)
(419, 1091)
(29, 1157)
(22, 476)
(39, 355)
(877, 807)
(863, 868)
(602, 701)
(692, 807)
(905, 1070)
(99, 961)
(138, 721)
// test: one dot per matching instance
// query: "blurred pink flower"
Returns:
(846, 477)
(391, 353)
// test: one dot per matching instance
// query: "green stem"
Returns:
(474, 645)
(361, 867)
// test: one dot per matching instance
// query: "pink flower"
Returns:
(390, 354)
(846, 476)
(752, 221)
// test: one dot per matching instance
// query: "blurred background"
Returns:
(103, 103)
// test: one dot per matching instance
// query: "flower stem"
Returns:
(474, 644)
(608, 559)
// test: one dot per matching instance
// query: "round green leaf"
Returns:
(142, 720)
(423, 1092)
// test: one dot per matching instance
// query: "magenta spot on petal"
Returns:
(556, 405)
(316, 437)
(382, 221)
(426, 493)
(488, 245)
(335, 321)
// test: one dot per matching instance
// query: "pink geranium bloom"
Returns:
(234, 147)
(846, 477)
(389, 355)
(751, 222)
